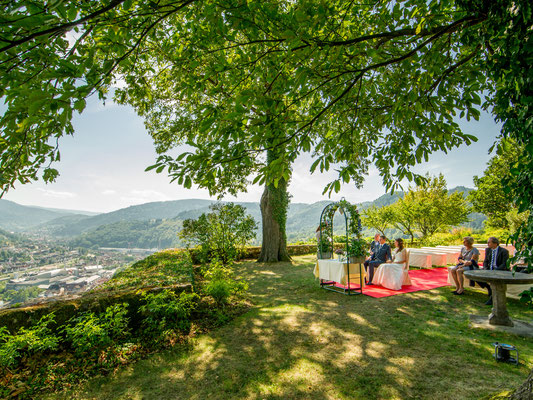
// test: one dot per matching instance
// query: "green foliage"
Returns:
(490, 197)
(221, 284)
(221, 234)
(89, 331)
(219, 290)
(378, 218)
(357, 247)
(527, 297)
(428, 208)
(36, 339)
(166, 311)
(20, 295)
(325, 245)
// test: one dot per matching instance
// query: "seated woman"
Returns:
(390, 275)
(467, 261)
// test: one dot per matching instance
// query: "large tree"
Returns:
(490, 198)
(433, 209)
(248, 85)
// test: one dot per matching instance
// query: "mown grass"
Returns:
(301, 342)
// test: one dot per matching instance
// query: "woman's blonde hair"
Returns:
(469, 240)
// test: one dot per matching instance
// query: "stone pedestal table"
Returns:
(498, 281)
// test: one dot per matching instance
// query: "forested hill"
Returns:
(141, 212)
(156, 224)
(17, 218)
(7, 238)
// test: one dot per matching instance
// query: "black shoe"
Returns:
(454, 292)
(458, 294)
(489, 302)
(369, 284)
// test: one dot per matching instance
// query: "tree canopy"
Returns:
(350, 83)
(490, 197)
(347, 82)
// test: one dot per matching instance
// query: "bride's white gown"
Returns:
(391, 275)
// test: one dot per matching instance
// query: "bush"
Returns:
(38, 338)
(166, 310)
(89, 331)
(221, 234)
(221, 284)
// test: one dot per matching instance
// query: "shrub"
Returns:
(220, 234)
(89, 331)
(166, 310)
(38, 338)
(221, 285)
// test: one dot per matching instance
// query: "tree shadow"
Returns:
(301, 342)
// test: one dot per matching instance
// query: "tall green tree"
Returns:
(350, 83)
(249, 86)
(428, 208)
(222, 233)
(403, 217)
(490, 197)
(378, 218)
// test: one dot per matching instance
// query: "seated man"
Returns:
(495, 258)
(381, 254)
(374, 245)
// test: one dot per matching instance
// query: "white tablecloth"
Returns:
(419, 260)
(333, 270)
(437, 259)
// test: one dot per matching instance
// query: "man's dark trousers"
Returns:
(379, 257)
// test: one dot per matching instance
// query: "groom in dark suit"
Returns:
(495, 259)
(380, 255)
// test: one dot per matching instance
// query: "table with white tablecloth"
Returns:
(426, 259)
(337, 271)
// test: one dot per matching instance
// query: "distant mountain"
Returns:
(17, 218)
(142, 212)
(156, 224)
(382, 201)
(155, 233)
(66, 211)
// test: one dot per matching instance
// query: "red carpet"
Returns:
(423, 279)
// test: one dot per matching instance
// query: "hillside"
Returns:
(150, 234)
(17, 218)
(155, 225)
(142, 212)
(7, 238)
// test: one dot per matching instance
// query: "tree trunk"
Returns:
(274, 204)
(524, 391)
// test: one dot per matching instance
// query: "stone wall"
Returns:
(64, 309)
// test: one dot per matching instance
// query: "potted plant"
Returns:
(325, 248)
(357, 250)
(339, 253)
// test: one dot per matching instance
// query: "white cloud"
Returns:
(108, 192)
(56, 194)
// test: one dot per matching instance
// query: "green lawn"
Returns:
(301, 342)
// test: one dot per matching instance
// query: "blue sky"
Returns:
(102, 167)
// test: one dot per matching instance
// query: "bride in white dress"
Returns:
(391, 274)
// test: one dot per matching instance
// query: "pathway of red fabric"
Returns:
(422, 279)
